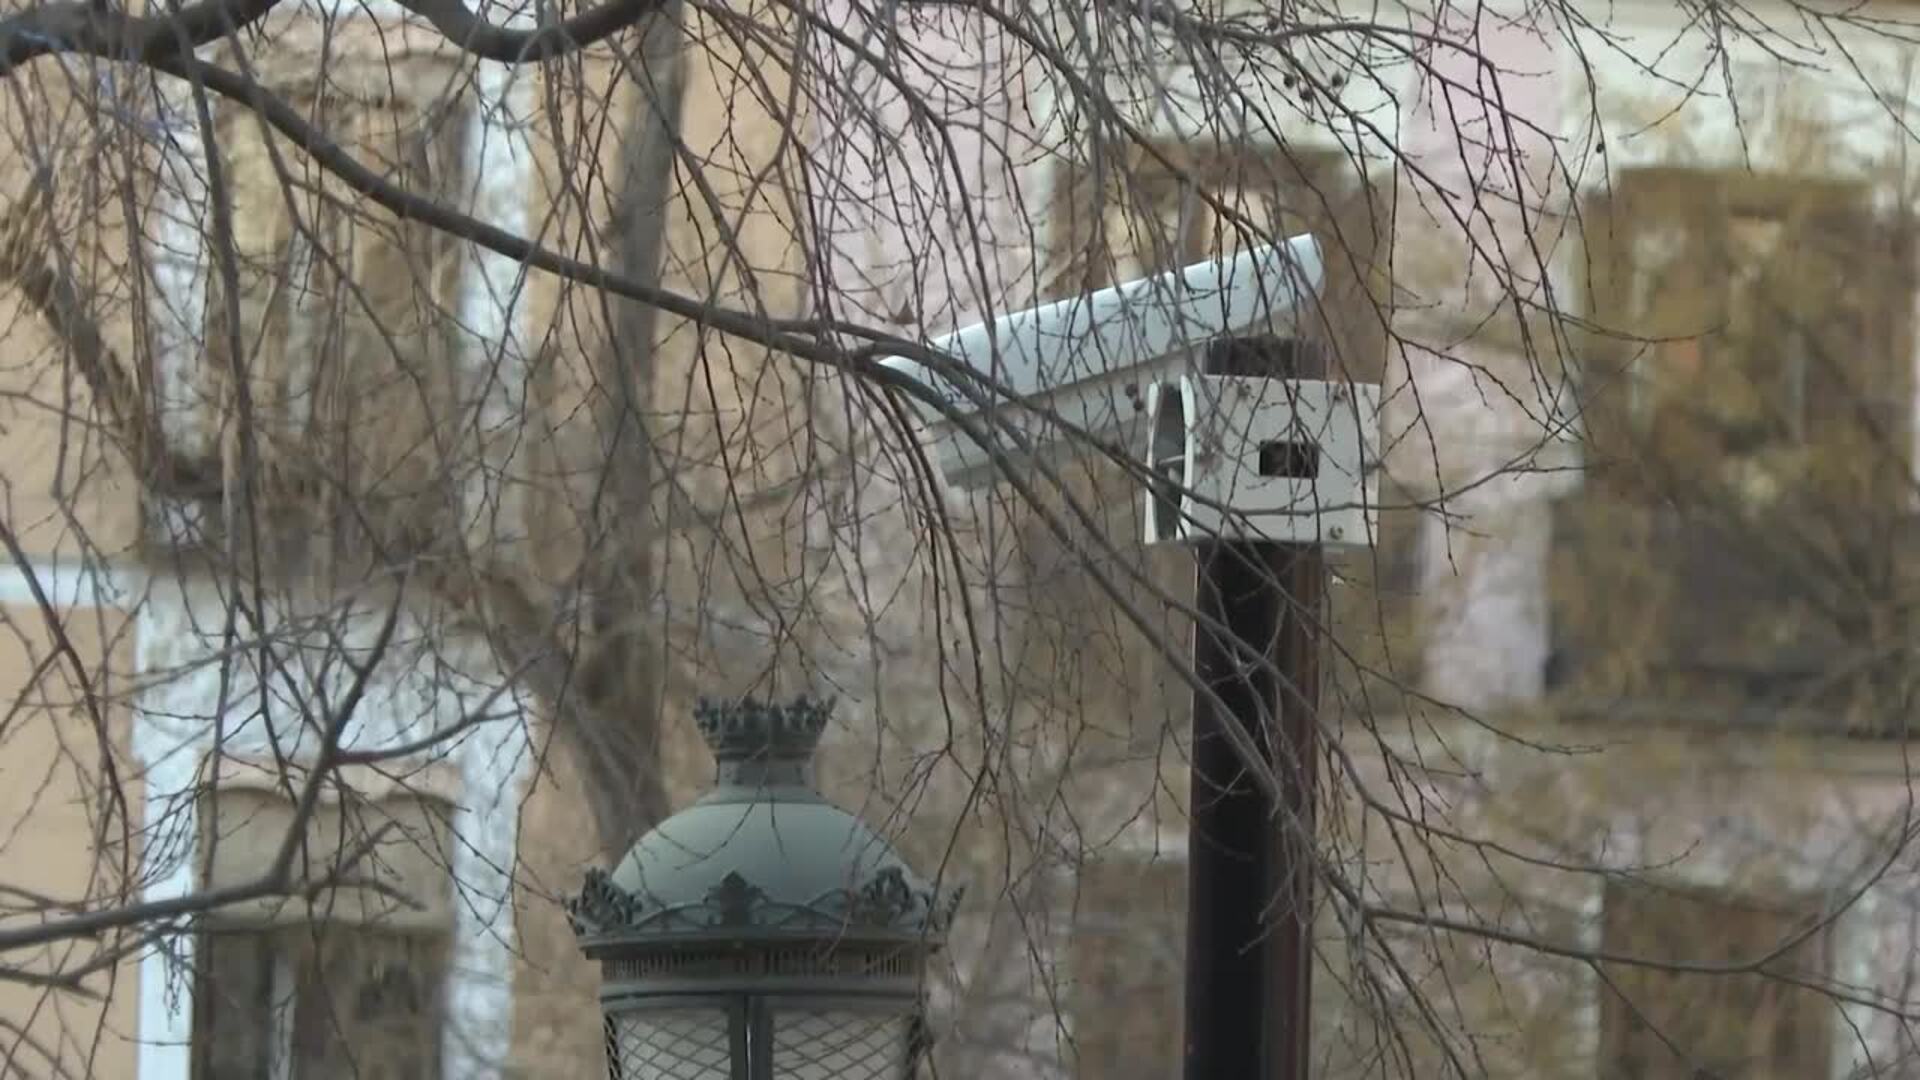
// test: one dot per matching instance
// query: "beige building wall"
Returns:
(70, 801)
(70, 791)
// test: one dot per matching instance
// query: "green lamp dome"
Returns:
(763, 853)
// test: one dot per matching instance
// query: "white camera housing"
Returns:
(1088, 360)
(1259, 459)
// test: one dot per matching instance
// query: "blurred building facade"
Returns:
(1639, 601)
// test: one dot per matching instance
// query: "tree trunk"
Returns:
(620, 679)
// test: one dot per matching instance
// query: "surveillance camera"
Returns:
(1081, 368)
(1256, 459)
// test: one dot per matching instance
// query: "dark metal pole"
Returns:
(1249, 916)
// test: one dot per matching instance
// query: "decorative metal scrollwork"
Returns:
(734, 901)
(887, 902)
(602, 907)
(887, 899)
(754, 729)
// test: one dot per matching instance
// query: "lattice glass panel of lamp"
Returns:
(673, 1044)
(839, 1044)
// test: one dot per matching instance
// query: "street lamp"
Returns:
(761, 933)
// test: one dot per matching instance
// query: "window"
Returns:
(1763, 349)
(1126, 966)
(318, 1002)
(1134, 211)
(1134, 218)
(1750, 421)
(350, 984)
(1677, 614)
(1748, 1026)
(1141, 211)
(347, 314)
